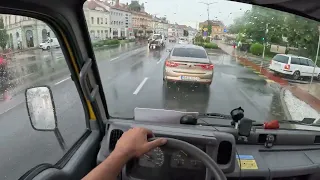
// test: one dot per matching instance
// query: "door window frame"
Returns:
(74, 60)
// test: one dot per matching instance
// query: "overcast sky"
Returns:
(191, 12)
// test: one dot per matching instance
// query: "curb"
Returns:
(283, 104)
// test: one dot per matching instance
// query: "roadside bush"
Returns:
(198, 44)
(111, 42)
(210, 45)
(256, 49)
(198, 39)
(207, 40)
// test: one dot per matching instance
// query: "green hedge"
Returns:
(210, 46)
(106, 42)
(256, 49)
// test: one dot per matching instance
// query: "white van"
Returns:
(296, 66)
(50, 43)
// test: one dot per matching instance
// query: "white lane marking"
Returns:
(140, 86)
(114, 58)
(11, 107)
(63, 80)
(159, 61)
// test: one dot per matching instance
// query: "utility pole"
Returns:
(208, 8)
(264, 46)
(315, 63)
(208, 11)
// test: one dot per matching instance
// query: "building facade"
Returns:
(25, 32)
(217, 28)
(142, 23)
(98, 20)
(160, 26)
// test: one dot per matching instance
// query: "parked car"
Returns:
(132, 37)
(172, 39)
(188, 63)
(295, 66)
(49, 43)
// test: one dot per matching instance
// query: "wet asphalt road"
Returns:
(132, 79)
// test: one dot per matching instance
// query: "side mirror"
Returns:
(40, 108)
(41, 111)
(169, 50)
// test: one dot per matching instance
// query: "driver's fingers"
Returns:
(156, 143)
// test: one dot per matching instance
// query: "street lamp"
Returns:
(208, 6)
(315, 63)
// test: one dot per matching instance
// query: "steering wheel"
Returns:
(197, 153)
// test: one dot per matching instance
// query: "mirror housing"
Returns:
(41, 109)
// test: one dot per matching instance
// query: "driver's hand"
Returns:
(134, 142)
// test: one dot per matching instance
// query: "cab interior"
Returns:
(295, 156)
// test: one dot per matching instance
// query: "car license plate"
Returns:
(189, 78)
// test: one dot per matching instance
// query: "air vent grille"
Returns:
(317, 140)
(224, 152)
(114, 137)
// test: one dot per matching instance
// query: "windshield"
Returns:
(240, 41)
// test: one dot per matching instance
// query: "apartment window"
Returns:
(92, 21)
(98, 19)
(106, 21)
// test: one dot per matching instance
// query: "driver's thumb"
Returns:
(156, 143)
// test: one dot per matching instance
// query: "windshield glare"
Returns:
(249, 48)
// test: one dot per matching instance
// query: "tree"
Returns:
(3, 35)
(300, 32)
(185, 33)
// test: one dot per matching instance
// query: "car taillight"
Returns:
(206, 66)
(171, 64)
(287, 66)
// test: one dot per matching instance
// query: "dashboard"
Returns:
(164, 163)
(295, 155)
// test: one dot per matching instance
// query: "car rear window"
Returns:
(280, 58)
(189, 52)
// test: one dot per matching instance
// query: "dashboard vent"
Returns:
(114, 137)
(224, 152)
(317, 140)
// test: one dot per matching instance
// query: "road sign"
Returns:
(278, 49)
(225, 30)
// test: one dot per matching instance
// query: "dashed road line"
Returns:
(114, 58)
(159, 61)
(140, 86)
(62, 81)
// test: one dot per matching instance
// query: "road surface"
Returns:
(132, 79)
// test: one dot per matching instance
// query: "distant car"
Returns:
(49, 43)
(172, 39)
(157, 41)
(183, 40)
(132, 37)
(295, 66)
(188, 63)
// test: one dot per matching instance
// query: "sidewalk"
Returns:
(300, 91)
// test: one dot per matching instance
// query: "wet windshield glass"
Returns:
(251, 54)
